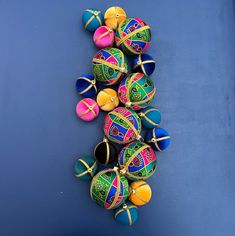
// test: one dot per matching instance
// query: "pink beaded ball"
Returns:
(87, 109)
(104, 37)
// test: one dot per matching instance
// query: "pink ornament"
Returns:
(103, 37)
(87, 109)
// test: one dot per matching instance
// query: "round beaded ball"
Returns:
(107, 99)
(92, 19)
(133, 36)
(86, 85)
(114, 16)
(158, 138)
(150, 117)
(105, 152)
(85, 168)
(110, 65)
(137, 160)
(144, 63)
(122, 125)
(87, 109)
(126, 214)
(140, 193)
(109, 189)
(136, 91)
(103, 37)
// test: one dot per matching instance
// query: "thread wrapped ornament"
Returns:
(109, 189)
(137, 161)
(158, 138)
(105, 152)
(144, 63)
(136, 91)
(87, 109)
(85, 168)
(92, 19)
(133, 36)
(110, 66)
(126, 214)
(107, 99)
(150, 117)
(114, 16)
(103, 37)
(86, 85)
(122, 125)
(140, 193)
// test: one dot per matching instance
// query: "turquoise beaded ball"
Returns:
(150, 117)
(85, 168)
(92, 19)
(126, 214)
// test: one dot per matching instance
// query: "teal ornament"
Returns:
(126, 214)
(92, 19)
(85, 168)
(144, 63)
(86, 85)
(150, 117)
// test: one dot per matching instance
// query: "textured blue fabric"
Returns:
(149, 67)
(152, 118)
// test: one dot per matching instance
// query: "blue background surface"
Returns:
(43, 48)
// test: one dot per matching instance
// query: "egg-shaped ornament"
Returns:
(92, 19)
(87, 109)
(105, 152)
(86, 85)
(109, 66)
(133, 36)
(144, 63)
(85, 168)
(109, 189)
(107, 99)
(126, 214)
(150, 117)
(137, 161)
(122, 125)
(158, 138)
(140, 193)
(104, 37)
(136, 91)
(114, 16)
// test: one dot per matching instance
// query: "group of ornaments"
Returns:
(121, 187)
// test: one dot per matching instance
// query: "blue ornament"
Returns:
(86, 85)
(92, 19)
(126, 214)
(144, 63)
(150, 117)
(158, 138)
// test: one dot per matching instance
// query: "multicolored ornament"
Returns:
(136, 91)
(126, 214)
(150, 117)
(103, 37)
(107, 99)
(110, 66)
(137, 160)
(144, 63)
(85, 168)
(158, 138)
(122, 125)
(105, 152)
(140, 193)
(86, 85)
(87, 109)
(114, 16)
(92, 19)
(133, 36)
(109, 189)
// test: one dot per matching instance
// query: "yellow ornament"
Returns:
(107, 99)
(114, 16)
(140, 193)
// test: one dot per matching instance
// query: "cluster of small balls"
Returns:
(118, 173)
